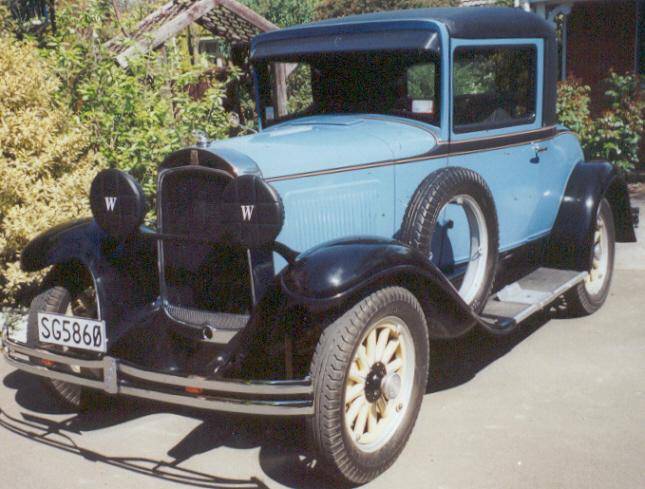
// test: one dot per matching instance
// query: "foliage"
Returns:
(284, 13)
(326, 9)
(421, 81)
(299, 91)
(616, 134)
(66, 108)
(139, 115)
(573, 106)
(46, 161)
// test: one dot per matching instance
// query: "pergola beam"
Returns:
(175, 24)
(225, 18)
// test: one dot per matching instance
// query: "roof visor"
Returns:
(361, 37)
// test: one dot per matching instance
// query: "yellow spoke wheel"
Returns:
(369, 374)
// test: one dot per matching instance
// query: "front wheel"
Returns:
(369, 371)
(59, 300)
(591, 294)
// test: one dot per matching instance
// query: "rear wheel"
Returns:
(590, 295)
(59, 300)
(369, 371)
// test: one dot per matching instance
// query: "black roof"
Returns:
(464, 22)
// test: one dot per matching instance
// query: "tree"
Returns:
(326, 9)
(284, 13)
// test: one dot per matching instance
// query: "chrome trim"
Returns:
(283, 397)
(264, 408)
(286, 387)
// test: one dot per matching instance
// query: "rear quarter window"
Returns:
(493, 87)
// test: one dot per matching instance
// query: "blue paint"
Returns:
(526, 186)
(332, 141)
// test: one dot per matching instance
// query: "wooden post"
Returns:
(280, 89)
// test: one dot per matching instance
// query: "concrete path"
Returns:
(561, 404)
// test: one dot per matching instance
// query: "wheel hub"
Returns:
(373, 382)
(391, 386)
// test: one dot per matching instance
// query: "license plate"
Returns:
(82, 333)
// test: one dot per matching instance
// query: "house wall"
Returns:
(601, 35)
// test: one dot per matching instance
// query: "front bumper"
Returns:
(110, 375)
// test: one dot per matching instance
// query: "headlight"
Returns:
(252, 212)
(118, 203)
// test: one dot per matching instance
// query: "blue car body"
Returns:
(361, 183)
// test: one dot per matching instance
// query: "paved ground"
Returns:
(559, 405)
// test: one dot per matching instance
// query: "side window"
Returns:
(494, 87)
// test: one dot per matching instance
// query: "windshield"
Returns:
(396, 83)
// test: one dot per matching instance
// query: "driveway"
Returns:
(561, 404)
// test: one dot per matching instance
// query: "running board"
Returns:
(519, 300)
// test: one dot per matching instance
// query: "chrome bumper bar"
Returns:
(271, 398)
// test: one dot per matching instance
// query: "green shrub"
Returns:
(616, 134)
(573, 106)
(46, 159)
(67, 109)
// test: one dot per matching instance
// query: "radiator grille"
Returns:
(203, 277)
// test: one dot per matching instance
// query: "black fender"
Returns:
(321, 284)
(589, 183)
(341, 272)
(124, 274)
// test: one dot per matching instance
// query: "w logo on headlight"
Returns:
(247, 212)
(110, 202)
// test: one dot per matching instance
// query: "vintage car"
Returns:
(409, 181)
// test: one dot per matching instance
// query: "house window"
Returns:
(494, 87)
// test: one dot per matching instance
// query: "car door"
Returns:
(496, 130)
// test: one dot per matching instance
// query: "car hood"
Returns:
(326, 142)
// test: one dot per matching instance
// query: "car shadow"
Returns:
(457, 361)
(283, 455)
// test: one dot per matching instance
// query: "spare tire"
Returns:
(465, 188)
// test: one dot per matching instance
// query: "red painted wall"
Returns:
(601, 35)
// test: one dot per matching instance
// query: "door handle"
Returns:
(538, 148)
